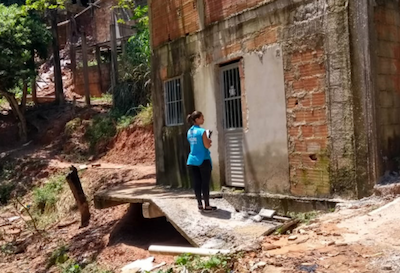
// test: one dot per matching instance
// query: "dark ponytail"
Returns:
(191, 118)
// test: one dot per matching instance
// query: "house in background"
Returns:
(303, 96)
(105, 36)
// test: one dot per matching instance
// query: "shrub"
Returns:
(6, 189)
(46, 197)
(102, 128)
(58, 256)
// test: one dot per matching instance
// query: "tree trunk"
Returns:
(72, 50)
(80, 198)
(114, 57)
(98, 59)
(56, 58)
(23, 130)
(85, 69)
(34, 94)
(22, 106)
(33, 84)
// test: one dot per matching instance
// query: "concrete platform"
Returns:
(223, 228)
(140, 192)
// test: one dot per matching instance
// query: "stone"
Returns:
(292, 238)
(266, 213)
(257, 218)
(387, 267)
(330, 243)
(302, 241)
(258, 265)
(302, 231)
(271, 247)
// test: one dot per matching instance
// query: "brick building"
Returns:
(303, 96)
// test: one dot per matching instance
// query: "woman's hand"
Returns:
(206, 141)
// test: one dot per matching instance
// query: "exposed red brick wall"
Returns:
(262, 38)
(94, 80)
(171, 19)
(307, 120)
(387, 26)
(216, 10)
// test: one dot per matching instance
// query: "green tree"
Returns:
(138, 46)
(135, 68)
(11, 2)
(22, 37)
(49, 8)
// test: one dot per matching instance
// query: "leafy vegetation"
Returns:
(195, 263)
(45, 197)
(7, 171)
(101, 129)
(138, 46)
(145, 116)
(23, 37)
(6, 189)
(58, 256)
(71, 126)
(305, 217)
(7, 248)
(134, 69)
(106, 97)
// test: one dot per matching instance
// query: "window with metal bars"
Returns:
(232, 97)
(173, 102)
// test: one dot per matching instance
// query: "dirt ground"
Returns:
(357, 237)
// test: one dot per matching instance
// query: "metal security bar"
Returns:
(233, 126)
(173, 102)
(232, 98)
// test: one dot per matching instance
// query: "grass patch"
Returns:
(105, 127)
(102, 128)
(305, 217)
(7, 248)
(46, 197)
(7, 170)
(196, 263)
(58, 256)
(106, 97)
(123, 122)
(6, 189)
(72, 125)
(145, 115)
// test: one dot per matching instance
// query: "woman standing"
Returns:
(199, 160)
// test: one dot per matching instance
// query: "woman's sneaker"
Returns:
(209, 209)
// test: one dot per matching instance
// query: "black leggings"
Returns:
(201, 176)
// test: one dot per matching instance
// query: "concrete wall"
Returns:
(318, 120)
(265, 141)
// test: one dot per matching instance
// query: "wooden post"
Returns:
(24, 96)
(98, 59)
(80, 198)
(34, 94)
(72, 49)
(59, 91)
(33, 83)
(114, 60)
(85, 69)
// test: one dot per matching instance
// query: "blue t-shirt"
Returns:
(198, 153)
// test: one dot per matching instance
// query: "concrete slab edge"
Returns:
(281, 203)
